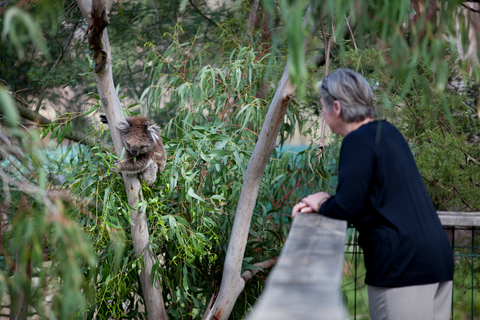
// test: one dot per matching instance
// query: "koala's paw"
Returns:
(103, 119)
(114, 168)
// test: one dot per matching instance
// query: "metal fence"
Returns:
(465, 241)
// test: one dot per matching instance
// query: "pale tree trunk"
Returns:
(232, 281)
(97, 14)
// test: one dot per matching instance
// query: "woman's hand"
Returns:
(311, 203)
(299, 207)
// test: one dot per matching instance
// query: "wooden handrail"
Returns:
(460, 219)
(305, 282)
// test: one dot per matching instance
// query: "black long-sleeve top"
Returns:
(380, 191)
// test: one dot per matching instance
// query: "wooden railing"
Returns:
(459, 219)
(305, 282)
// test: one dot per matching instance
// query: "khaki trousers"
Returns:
(424, 302)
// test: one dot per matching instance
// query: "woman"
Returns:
(407, 254)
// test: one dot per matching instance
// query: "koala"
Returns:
(146, 154)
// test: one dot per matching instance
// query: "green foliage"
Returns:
(64, 74)
(210, 143)
(191, 207)
(103, 212)
(43, 252)
(409, 38)
(15, 24)
(8, 108)
(295, 36)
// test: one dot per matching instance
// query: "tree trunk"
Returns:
(152, 292)
(232, 282)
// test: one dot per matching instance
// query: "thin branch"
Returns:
(327, 46)
(34, 191)
(202, 14)
(10, 156)
(470, 8)
(478, 104)
(43, 122)
(286, 196)
(64, 49)
(70, 8)
(321, 143)
(351, 34)
(209, 307)
(250, 273)
(6, 141)
(151, 285)
(470, 158)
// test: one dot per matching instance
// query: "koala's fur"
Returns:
(146, 154)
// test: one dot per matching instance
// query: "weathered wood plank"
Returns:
(460, 219)
(305, 283)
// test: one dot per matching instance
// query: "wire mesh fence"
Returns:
(465, 243)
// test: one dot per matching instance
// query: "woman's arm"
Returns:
(355, 175)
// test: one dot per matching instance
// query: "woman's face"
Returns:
(331, 118)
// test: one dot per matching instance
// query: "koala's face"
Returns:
(139, 135)
(136, 145)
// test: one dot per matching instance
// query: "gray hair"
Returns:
(352, 91)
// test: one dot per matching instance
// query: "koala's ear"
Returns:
(124, 125)
(154, 130)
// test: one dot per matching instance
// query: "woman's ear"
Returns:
(337, 108)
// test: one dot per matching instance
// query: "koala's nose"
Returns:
(134, 152)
